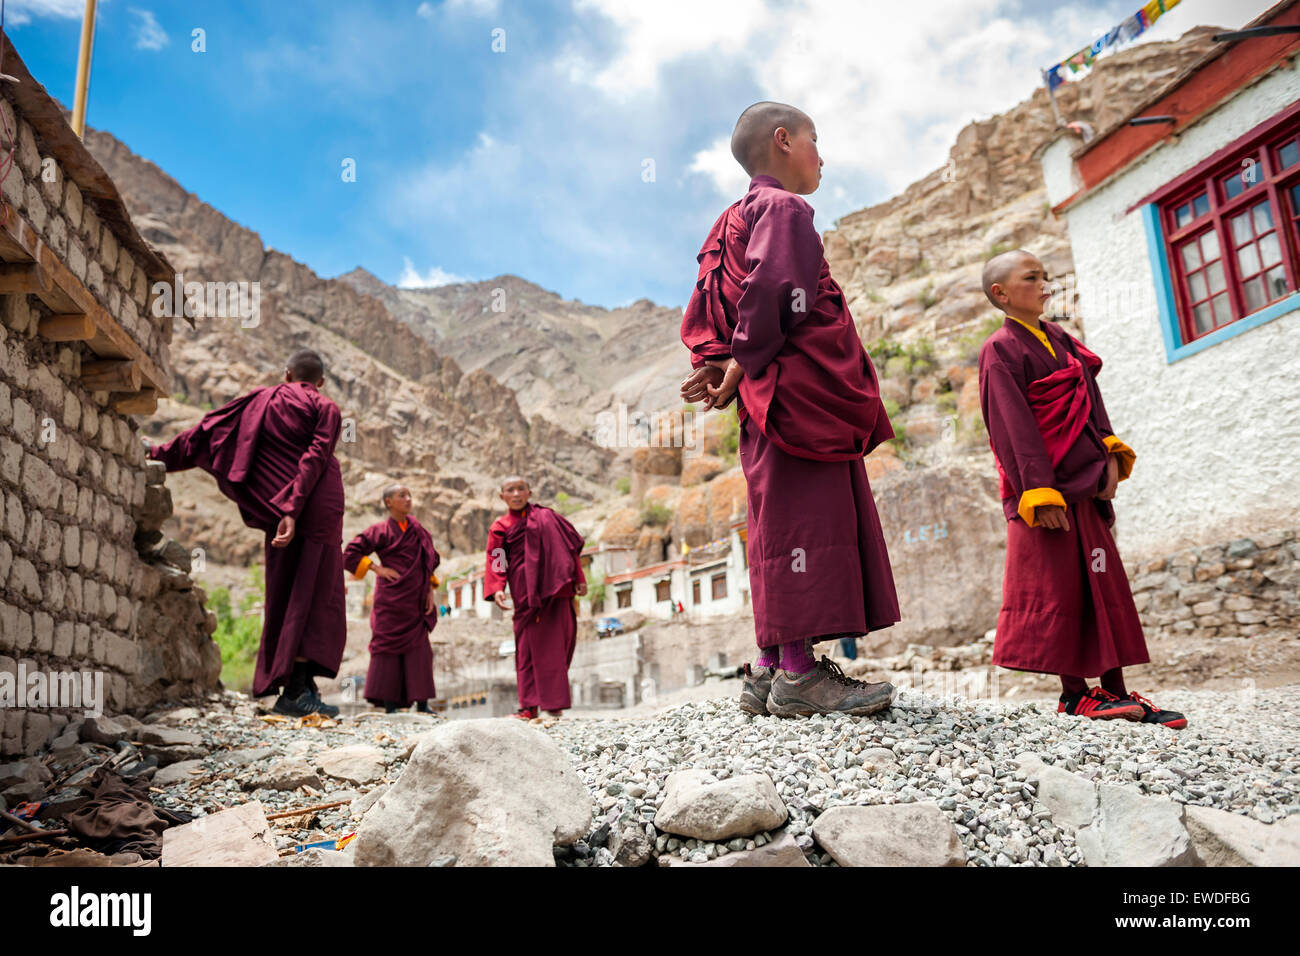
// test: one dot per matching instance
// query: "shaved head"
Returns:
(392, 490)
(997, 269)
(306, 366)
(511, 479)
(755, 127)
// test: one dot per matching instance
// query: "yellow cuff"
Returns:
(1035, 498)
(362, 567)
(1124, 455)
(433, 579)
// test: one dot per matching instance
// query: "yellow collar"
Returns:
(1037, 333)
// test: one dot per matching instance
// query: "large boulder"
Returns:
(488, 792)
(1129, 829)
(1231, 839)
(901, 834)
(698, 806)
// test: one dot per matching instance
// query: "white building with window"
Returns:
(1184, 219)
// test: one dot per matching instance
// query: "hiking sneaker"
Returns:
(302, 705)
(826, 689)
(324, 709)
(1099, 704)
(753, 694)
(1154, 715)
(525, 713)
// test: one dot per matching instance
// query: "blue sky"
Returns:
(532, 160)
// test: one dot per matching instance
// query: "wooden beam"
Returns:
(73, 327)
(24, 278)
(109, 375)
(143, 402)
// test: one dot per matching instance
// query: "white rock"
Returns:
(1071, 798)
(489, 792)
(910, 834)
(1231, 839)
(697, 805)
(1129, 829)
(359, 763)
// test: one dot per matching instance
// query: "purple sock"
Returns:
(797, 658)
(769, 656)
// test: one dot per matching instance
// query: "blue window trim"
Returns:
(1167, 309)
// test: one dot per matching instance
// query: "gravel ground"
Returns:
(1239, 753)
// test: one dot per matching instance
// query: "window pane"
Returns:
(1215, 274)
(1248, 259)
(1289, 154)
(1210, 246)
(1191, 255)
(1222, 310)
(1263, 217)
(1183, 215)
(1241, 231)
(1255, 296)
(1295, 200)
(1196, 282)
(1276, 280)
(1201, 204)
(1202, 318)
(1234, 185)
(1269, 251)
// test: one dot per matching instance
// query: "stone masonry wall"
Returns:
(1236, 589)
(83, 579)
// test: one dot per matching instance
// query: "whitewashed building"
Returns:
(1184, 220)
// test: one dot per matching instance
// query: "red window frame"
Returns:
(1272, 184)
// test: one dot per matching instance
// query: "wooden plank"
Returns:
(111, 340)
(143, 402)
(23, 279)
(111, 376)
(72, 327)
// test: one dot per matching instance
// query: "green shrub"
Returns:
(970, 343)
(623, 485)
(655, 514)
(927, 297)
(997, 249)
(729, 443)
(922, 268)
(238, 632)
(920, 357)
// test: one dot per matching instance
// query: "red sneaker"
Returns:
(1099, 704)
(1154, 715)
(525, 713)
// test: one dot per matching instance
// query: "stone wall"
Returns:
(79, 589)
(1236, 589)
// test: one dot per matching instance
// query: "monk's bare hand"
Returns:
(388, 574)
(501, 602)
(722, 395)
(581, 589)
(695, 385)
(1052, 516)
(1112, 479)
(283, 533)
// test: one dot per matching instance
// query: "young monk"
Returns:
(768, 324)
(272, 454)
(1066, 604)
(534, 551)
(405, 608)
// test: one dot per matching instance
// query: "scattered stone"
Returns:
(166, 736)
(287, 774)
(1129, 829)
(783, 851)
(698, 805)
(912, 834)
(631, 846)
(358, 763)
(460, 794)
(237, 837)
(177, 773)
(1071, 798)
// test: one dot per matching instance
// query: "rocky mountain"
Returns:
(415, 413)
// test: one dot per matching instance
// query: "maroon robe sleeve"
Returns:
(180, 453)
(1015, 438)
(325, 437)
(783, 262)
(494, 580)
(360, 548)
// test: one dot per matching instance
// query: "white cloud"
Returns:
(717, 163)
(149, 34)
(412, 279)
(425, 10)
(22, 11)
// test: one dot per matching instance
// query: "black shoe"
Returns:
(391, 708)
(1154, 715)
(302, 705)
(422, 707)
(1098, 703)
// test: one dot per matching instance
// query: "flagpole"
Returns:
(83, 70)
(1051, 95)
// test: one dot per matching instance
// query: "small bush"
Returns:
(239, 632)
(655, 514)
(623, 485)
(927, 296)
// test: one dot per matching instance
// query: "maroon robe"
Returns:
(1066, 603)
(401, 660)
(809, 409)
(272, 453)
(537, 553)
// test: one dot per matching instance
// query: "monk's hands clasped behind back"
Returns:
(1112, 479)
(714, 384)
(284, 532)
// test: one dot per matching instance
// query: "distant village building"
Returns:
(1184, 219)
